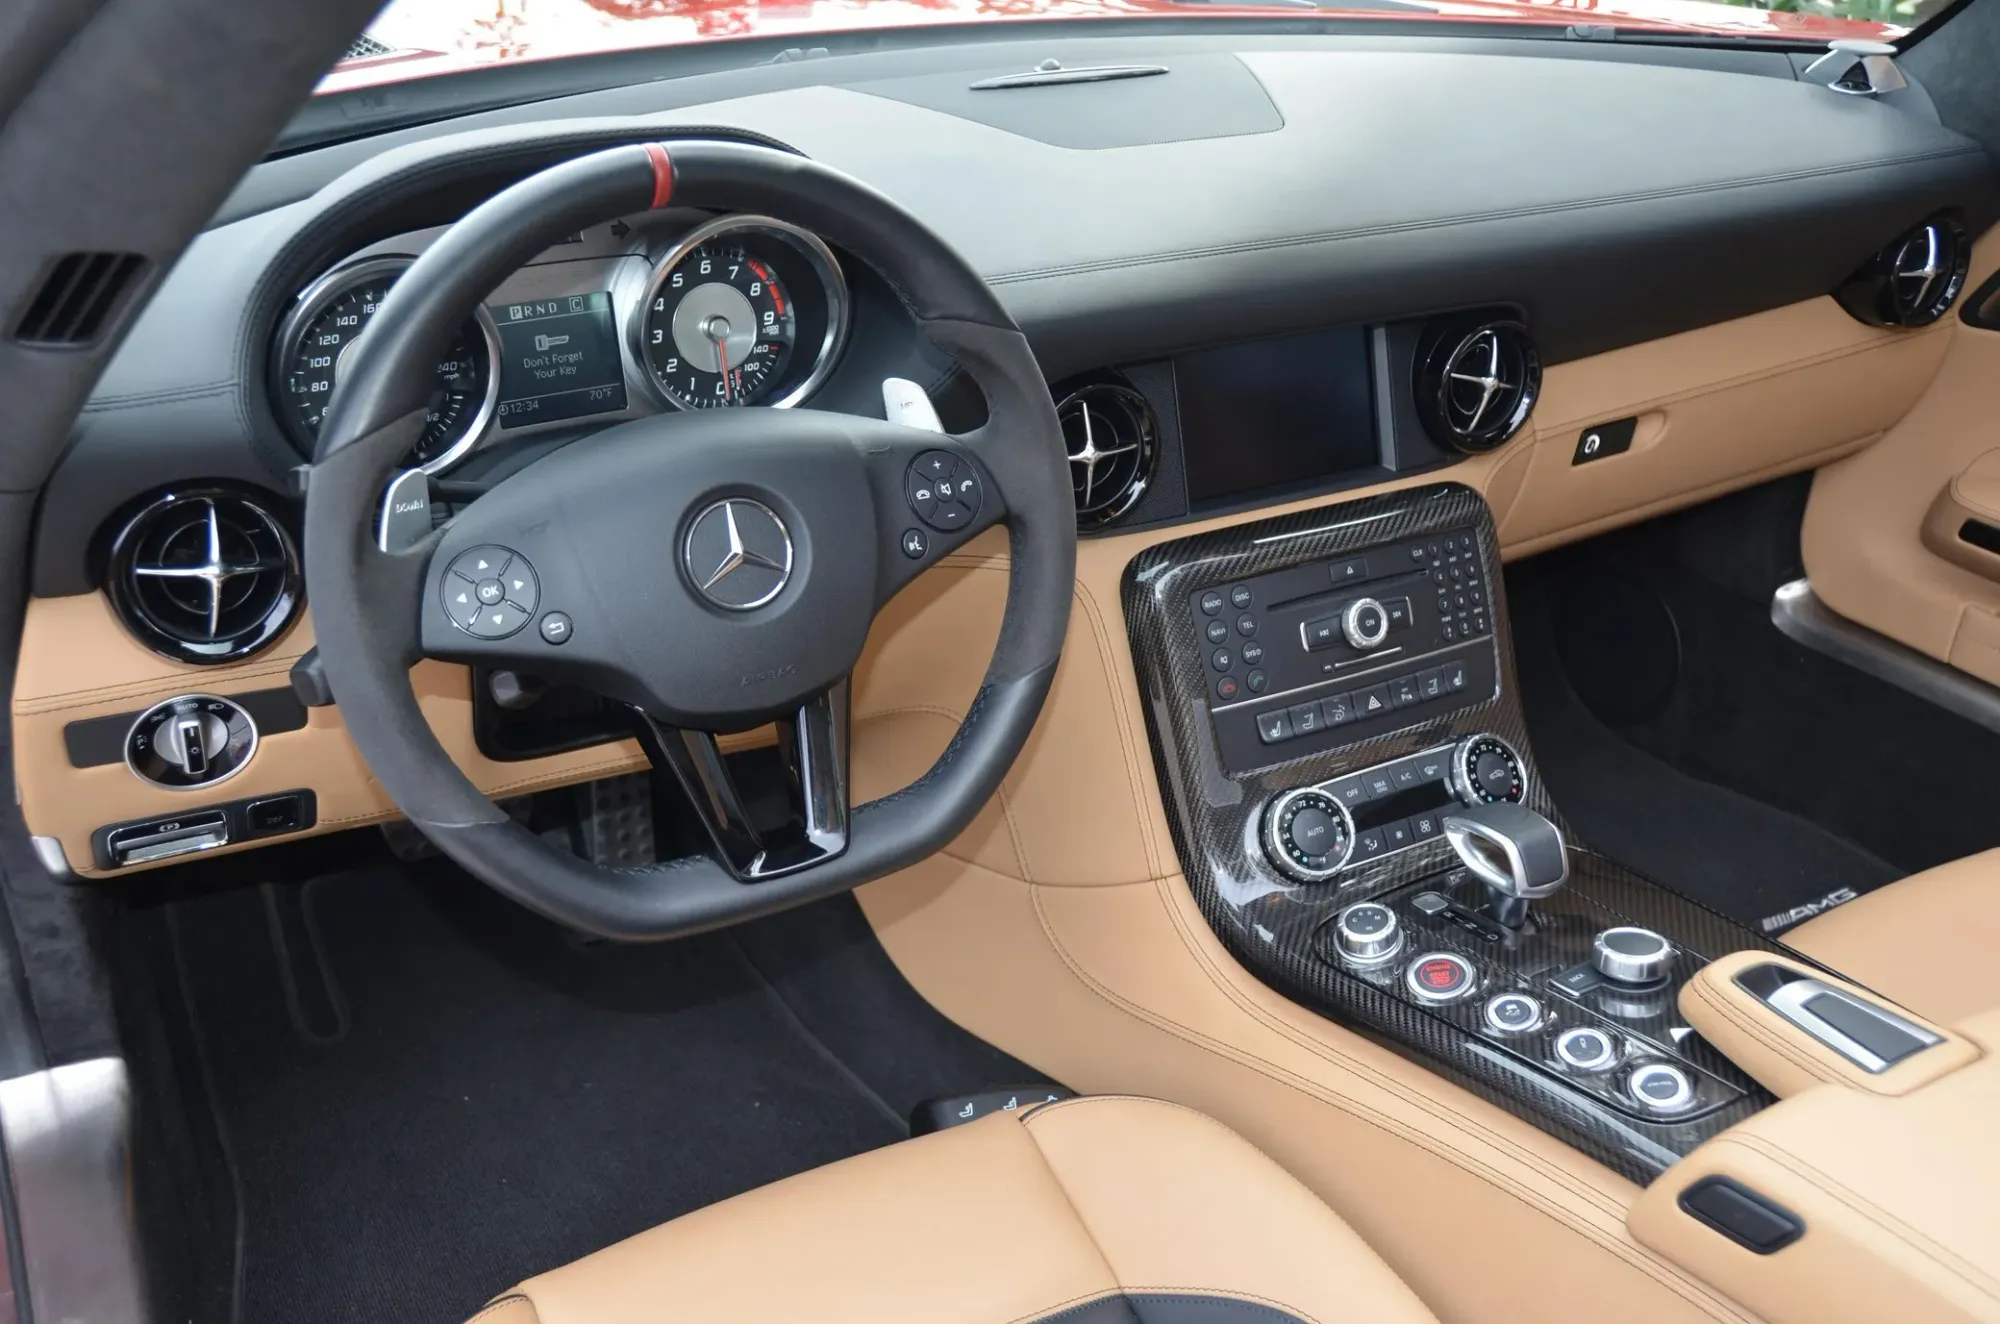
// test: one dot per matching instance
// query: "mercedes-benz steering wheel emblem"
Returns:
(738, 554)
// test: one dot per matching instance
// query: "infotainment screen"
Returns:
(1275, 413)
(558, 359)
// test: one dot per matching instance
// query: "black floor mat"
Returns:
(1738, 856)
(426, 1094)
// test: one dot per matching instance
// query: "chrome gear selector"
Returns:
(1515, 851)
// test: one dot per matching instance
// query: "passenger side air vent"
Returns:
(1477, 381)
(1112, 439)
(1914, 280)
(78, 297)
(204, 576)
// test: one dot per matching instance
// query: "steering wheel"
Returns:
(712, 571)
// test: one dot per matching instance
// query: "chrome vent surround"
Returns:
(1477, 381)
(1113, 444)
(1914, 280)
(204, 575)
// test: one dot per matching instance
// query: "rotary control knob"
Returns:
(1308, 834)
(191, 741)
(1365, 623)
(1632, 955)
(1485, 770)
(1368, 933)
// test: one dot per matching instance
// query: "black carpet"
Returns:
(425, 1094)
(1735, 855)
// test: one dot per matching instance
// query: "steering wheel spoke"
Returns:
(813, 827)
(933, 495)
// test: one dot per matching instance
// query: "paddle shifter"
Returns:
(1512, 849)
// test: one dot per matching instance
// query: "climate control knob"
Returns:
(1485, 770)
(1308, 834)
(1365, 623)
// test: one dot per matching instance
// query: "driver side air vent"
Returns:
(204, 575)
(1476, 382)
(1112, 439)
(1914, 279)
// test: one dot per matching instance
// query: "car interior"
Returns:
(1267, 666)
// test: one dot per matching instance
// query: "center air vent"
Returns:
(1109, 431)
(204, 575)
(1477, 380)
(1914, 280)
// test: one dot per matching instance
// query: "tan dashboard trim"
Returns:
(1721, 407)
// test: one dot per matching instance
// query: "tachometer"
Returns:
(320, 333)
(742, 311)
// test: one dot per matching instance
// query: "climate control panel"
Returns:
(1311, 833)
(1320, 655)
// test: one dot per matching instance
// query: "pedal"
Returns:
(616, 820)
(956, 1110)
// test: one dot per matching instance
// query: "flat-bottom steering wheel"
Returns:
(710, 570)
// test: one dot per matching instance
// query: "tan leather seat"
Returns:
(1930, 942)
(1088, 1211)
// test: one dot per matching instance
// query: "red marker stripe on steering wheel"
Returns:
(663, 175)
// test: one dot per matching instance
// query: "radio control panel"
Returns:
(1321, 655)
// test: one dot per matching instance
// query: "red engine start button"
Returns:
(1440, 977)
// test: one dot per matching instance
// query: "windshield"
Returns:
(413, 39)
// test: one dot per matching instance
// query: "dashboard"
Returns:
(620, 320)
(1280, 271)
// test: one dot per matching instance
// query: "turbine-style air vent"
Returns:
(1109, 431)
(1477, 380)
(1914, 280)
(204, 576)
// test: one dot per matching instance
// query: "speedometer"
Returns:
(318, 339)
(742, 311)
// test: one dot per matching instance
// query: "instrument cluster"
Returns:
(619, 321)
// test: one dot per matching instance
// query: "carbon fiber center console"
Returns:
(1330, 696)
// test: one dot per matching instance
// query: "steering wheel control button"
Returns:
(1632, 955)
(1586, 1050)
(1307, 834)
(1369, 934)
(490, 592)
(1513, 1013)
(498, 622)
(1440, 977)
(556, 628)
(1660, 1088)
(943, 492)
(915, 544)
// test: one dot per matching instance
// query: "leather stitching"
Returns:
(1686, 1289)
(500, 1303)
(1026, 1122)
(1969, 1274)
(1006, 802)
(1748, 1026)
(1134, 773)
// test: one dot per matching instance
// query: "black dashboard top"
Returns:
(1299, 182)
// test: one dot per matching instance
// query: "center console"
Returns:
(1356, 807)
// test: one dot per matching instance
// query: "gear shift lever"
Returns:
(1516, 852)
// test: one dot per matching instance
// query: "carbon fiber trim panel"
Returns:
(1273, 925)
